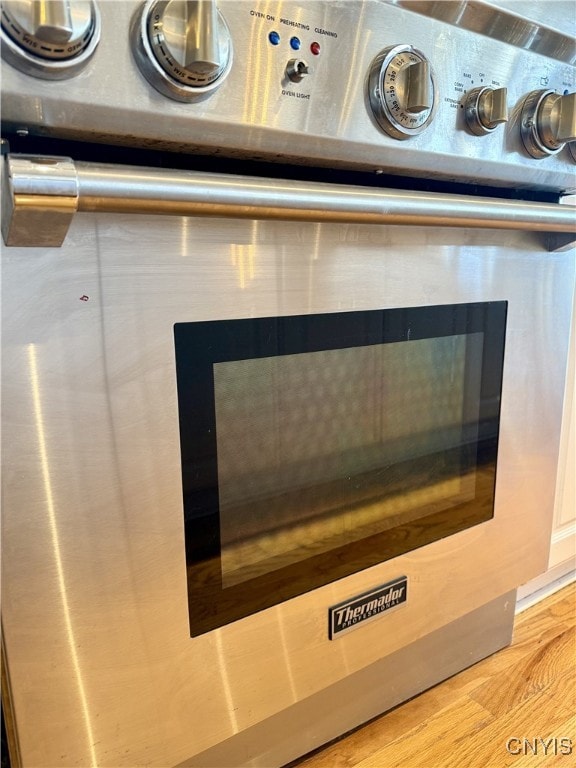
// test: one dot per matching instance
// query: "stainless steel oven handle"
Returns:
(41, 195)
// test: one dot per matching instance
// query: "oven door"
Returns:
(100, 425)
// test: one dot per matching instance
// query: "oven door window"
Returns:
(319, 445)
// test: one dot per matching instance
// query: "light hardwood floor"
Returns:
(524, 692)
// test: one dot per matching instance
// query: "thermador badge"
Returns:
(369, 605)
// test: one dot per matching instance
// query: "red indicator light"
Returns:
(315, 49)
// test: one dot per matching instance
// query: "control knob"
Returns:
(183, 47)
(51, 39)
(401, 91)
(547, 122)
(484, 109)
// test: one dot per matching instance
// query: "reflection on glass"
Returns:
(320, 449)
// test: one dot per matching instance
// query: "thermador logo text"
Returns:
(349, 614)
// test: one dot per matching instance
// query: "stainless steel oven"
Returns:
(287, 293)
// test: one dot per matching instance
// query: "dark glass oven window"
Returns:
(318, 445)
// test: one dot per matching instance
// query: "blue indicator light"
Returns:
(295, 43)
(274, 38)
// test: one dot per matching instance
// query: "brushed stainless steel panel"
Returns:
(325, 118)
(366, 694)
(94, 594)
(544, 29)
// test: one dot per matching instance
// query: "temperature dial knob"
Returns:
(485, 109)
(183, 47)
(547, 122)
(402, 91)
(51, 39)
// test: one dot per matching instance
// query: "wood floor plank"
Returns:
(467, 735)
(556, 751)
(563, 691)
(426, 743)
(559, 608)
(536, 672)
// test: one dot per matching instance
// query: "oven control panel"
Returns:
(433, 89)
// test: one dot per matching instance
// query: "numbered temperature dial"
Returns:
(183, 47)
(50, 39)
(402, 91)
